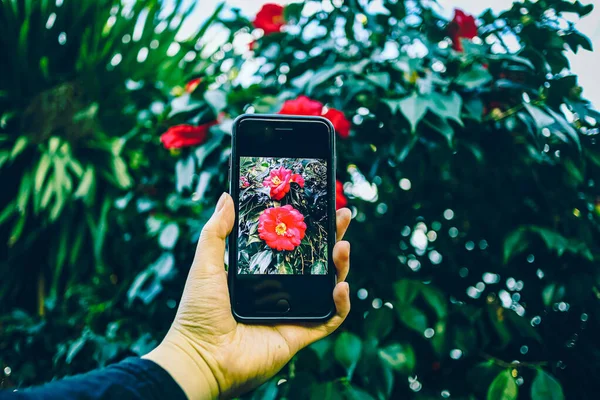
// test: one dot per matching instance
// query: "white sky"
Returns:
(583, 64)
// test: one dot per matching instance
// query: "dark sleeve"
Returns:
(132, 378)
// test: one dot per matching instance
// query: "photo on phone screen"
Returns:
(282, 216)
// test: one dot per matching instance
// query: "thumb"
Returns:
(211, 246)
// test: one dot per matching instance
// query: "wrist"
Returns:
(186, 366)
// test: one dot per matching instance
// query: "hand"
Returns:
(207, 351)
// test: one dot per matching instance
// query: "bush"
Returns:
(470, 166)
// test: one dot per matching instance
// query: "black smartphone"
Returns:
(282, 180)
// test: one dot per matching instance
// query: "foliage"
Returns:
(472, 172)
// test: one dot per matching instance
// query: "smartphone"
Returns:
(282, 180)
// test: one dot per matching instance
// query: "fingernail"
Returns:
(221, 203)
(347, 288)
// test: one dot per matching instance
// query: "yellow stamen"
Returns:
(280, 229)
(275, 180)
(278, 19)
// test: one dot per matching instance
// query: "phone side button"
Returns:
(283, 306)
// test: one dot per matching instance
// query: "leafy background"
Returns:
(473, 179)
(255, 256)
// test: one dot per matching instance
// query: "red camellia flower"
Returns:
(340, 199)
(179, 136)
(339, 121)
(192, 85)
(302, 106)
(282, 228)
(279, 181)
(270, 18)
(244, 182)
(306, 106)
(462, 26)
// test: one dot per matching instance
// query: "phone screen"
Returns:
(282, 216)
(280, 250)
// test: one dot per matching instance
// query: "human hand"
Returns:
(207, 351)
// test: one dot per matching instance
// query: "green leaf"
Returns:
(216, 99)
(574, 171)
(216, 137)
(447, 106)
(540, 118)
(414, 109)
(474, 78)
(515, 243)
(379, 323)
(318, 268)
(407, 290)
(347, 350)
(566, 127)
(24, 192)
(85, 185)
(123, 179)
(267, 391)
(503, 387)
(546, 387)
(413, 318)
(436, 299)
(399, 357)
(261, 261)
(442, 126)
(42, 170)
(353, 393)
(381, 79)
(7, 212)
(20, 145)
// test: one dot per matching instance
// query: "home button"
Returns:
(283, 306)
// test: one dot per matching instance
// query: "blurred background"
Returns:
(467, 152)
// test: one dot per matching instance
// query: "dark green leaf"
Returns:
(400, 357)
(413, 108)
(515, 243)
(436, 299)
(319, 268)
(347, 350)
(379, 323)
(412, 317)
(407, 290)
(475, 77)
(261, 261)
(545, 387)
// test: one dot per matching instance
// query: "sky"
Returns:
(583, 64)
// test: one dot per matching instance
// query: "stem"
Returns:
(514, 364)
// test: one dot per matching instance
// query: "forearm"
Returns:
(131, 379)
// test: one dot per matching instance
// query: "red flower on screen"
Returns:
(244, 183)
(340, 198)
(270, 18)
(179, 136)
(462, 26)
(282, 228)
(279, 182)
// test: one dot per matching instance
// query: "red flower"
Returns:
(244, 182)
(340, 199)
(270, 18)
(298, 179)
(462, 26)
(192, 85)
(302, 106)
(282, 228)
(279, 181)
(179, 136)
(339, 121)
